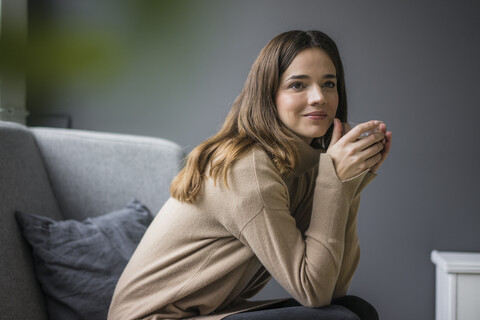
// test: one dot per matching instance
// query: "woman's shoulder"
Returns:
(256, 161)
(257, 171)
(252, 186)
(252, 180)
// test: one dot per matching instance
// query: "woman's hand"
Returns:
(351, 155)
(387, 142)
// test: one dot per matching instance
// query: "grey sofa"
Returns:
(69, 174)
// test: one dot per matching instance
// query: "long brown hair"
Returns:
(253, 119)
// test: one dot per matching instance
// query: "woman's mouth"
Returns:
(317, 115)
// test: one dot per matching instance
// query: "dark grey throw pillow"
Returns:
(79, 263)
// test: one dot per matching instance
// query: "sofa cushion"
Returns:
(78, 263)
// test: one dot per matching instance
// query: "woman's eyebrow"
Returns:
(300, 76)
(304, 76)
(330, 76)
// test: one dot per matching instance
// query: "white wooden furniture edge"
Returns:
(457, 262)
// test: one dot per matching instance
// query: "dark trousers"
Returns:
(345, 308)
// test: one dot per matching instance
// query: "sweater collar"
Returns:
(308, 156)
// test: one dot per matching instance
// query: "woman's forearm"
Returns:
(333, 223)
(351, 253)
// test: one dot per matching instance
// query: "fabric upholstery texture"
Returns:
(78, 263)
(90, 170)
(69, 174)
(24, 185)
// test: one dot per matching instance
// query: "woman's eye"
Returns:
(297, 85)
(329, 84)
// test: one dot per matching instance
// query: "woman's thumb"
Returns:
(337, 131)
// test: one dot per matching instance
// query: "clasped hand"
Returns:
(351, 155)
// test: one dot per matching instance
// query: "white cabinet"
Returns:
(457, 285)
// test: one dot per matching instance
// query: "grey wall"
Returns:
(413, 64)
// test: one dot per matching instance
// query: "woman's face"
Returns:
(307, 97)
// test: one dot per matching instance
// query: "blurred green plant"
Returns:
(57, 52)
(53, 55)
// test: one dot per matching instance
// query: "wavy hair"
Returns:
(253, 119)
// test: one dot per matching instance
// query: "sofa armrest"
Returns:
(92, 173)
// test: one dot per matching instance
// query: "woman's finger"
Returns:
(370, 140)
(372, 150)
(373, 161)
(337, 131)
(385, 151)
(358, 130)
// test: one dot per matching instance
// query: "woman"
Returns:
(274, 193)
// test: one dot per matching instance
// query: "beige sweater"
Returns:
(206, 258)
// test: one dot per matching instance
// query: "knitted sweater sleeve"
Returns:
(307, 267)
(351, 252)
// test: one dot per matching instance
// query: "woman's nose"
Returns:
(315, 95)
